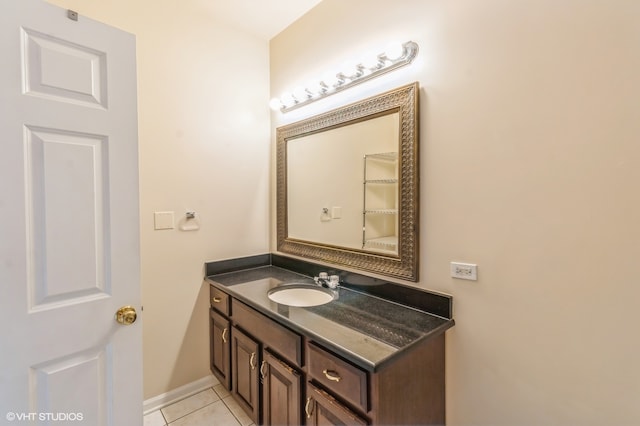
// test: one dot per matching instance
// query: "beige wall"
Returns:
(204, 145)
(530, 145)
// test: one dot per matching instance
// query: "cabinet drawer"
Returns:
(322, 409)
(280, 339)
(338, 376)
(219, 300)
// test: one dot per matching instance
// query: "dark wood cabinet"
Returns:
(338, 376)
(220, 351)
(323, 409)
(220, 301)
(281, 392)
(245, 359)
(282, 341)
(408, 391)
(220, 336)
(280, 377)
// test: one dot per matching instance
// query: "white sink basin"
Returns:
(301, 295)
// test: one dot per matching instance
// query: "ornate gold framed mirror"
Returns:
(348, 185)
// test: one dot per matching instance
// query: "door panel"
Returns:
(51, 384)
(57, 69)
(281, 392)
(322, 409)
(67, 195)
(219, 328)
(69, 234)
(244, 372)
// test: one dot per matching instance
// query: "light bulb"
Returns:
(275, 104)
(350, 69)
(372, 63)
(315, 89)
(287, 100)
(300, 94)
(330, 79)
(393, 52)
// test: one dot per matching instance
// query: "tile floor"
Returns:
(213, 406)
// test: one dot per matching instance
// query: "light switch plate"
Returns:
(163, 220)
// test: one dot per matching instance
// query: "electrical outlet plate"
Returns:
(464, 271)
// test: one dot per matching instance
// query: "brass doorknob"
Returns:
(126, 315)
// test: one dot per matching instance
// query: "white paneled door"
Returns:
(69, 227)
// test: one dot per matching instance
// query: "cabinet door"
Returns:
(220, 348)
(244, 372)
(322, 409)
(281, 387)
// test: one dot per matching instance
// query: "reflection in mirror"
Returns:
(347, 185)
(352, 173)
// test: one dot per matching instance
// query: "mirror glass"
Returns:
(352, 173)
(348, 185)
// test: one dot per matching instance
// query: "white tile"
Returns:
(216, 414)
(238, 411)
(189, 405)
(154, 418)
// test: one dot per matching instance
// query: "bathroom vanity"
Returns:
(374, 355)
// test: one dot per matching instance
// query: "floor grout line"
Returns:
(188, 414)
(231, 411)
(220, 398)
(191, 412)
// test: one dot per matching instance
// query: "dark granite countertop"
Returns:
(364, 329)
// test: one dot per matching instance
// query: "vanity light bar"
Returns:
(363, 73)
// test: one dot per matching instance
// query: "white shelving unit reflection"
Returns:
(380, 210)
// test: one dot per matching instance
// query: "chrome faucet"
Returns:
(323, 279)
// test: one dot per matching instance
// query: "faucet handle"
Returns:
(334, 281)
(321, 278)
(325, 280)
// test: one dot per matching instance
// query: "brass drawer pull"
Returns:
(332, 375)
(224, 334)
(262, 372)
(216, 299)
(252, 360)
(308, 408)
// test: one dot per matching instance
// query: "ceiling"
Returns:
(264, 18)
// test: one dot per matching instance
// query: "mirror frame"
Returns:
(404, 265)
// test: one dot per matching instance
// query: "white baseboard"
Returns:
(167, 398)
